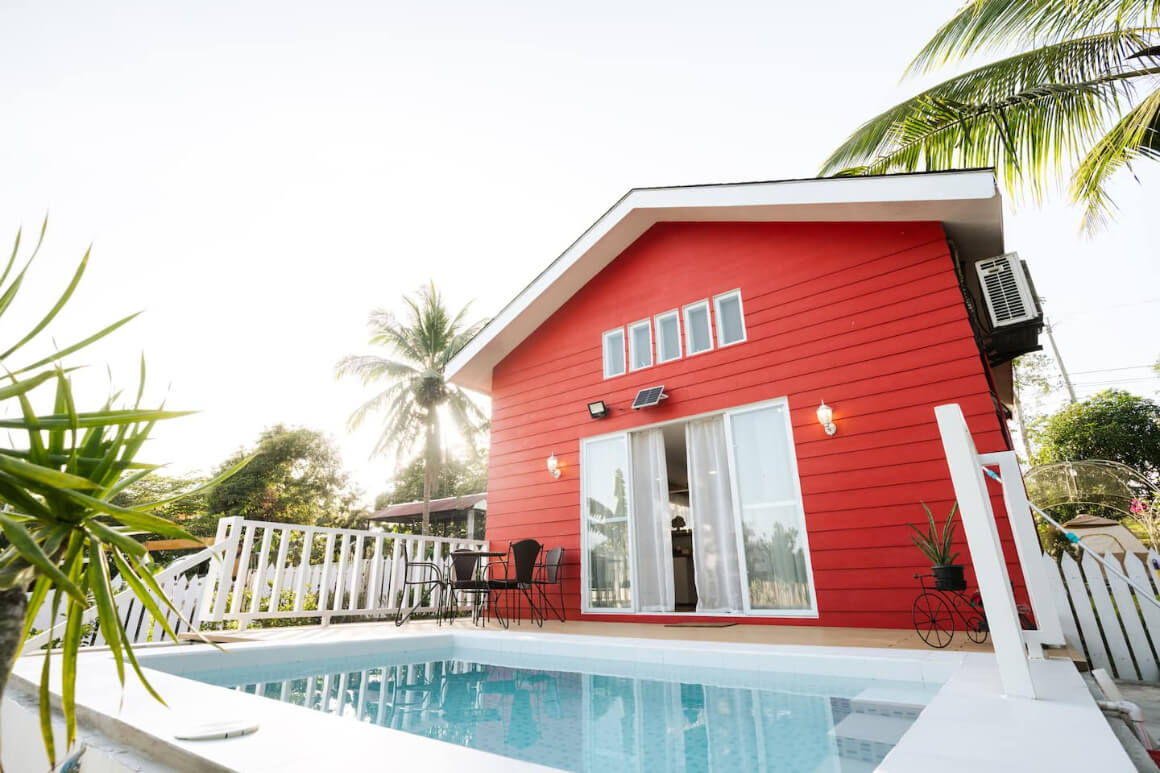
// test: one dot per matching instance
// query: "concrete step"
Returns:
(869, 737)
(902, 702)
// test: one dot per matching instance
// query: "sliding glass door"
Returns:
(771, 534)
(605, 505)
(749, 549)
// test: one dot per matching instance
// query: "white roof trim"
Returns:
(967, 203)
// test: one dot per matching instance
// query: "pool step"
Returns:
(868, 737)
(891, 702)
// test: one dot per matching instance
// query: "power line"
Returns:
(1109, 370)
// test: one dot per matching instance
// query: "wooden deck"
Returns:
(886, 638)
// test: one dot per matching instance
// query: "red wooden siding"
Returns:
(868, 316)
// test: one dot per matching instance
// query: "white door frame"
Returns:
(633, 609)
(585, 588)
(796, 501)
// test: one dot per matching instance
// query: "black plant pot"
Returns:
(949, 577)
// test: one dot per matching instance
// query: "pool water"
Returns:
(577, 716)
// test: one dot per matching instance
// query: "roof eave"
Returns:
(966, 202)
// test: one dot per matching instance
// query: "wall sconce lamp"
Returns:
(826, 418)
(597, 410)
(554, 466)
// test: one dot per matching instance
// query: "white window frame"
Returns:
(720, 323)
(632, 326)
(812, 611)
(623, 355)
(675, 314)
(585, 590)
(747, 611)
(704, 302)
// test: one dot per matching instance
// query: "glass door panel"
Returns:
(772, 536)
(605, 491)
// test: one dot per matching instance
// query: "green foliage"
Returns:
(456, 478)
(1113, 425)
(936, 545)
(416, 393)
(1076, 91)
(295, 476)
(63, 531)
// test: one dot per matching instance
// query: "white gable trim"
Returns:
(967, 203)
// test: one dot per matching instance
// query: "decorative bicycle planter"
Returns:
(935, 612)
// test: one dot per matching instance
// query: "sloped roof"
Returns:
(967, 203)
(437, 506)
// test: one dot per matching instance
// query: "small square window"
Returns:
(614, 353)
(639, 345)
(668, 327)
(698, 332)
(730, 318)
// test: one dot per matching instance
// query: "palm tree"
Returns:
(1077, 94)
(416, 392)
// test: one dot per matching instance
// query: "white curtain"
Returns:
(652, 519)
(716, 566)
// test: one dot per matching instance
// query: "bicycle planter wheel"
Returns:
(977, 629)
(934, 620)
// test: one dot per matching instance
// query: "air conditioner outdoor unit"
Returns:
(1007, 290)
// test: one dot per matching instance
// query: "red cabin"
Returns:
(719, 400)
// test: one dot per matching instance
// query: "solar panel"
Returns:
(648, 397)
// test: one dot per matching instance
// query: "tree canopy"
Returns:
(295, 476)
(456, 477)
(1113, 425)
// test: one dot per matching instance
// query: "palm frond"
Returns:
(1092, 65)
(1135, 135)
(986, 26)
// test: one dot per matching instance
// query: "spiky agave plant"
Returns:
(63, 535)
(936, 545)
(1076, 92)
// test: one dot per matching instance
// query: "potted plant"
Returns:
(936, 546)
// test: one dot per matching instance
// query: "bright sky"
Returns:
(257, 176)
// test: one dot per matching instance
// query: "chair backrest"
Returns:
(463, 566)
(552, 565)
(525, 553)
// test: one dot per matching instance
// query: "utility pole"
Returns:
(1059, 360)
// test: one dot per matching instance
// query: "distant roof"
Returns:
(447, 504)
(966, 202)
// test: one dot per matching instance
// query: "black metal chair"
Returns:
(525, 554)
(549, 574)
(463, 580)
(426, 575)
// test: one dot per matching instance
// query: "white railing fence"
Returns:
(1013, 650)
(181, 586)
(1086, 604)
(285, 571)
(1105, 617)
(314, 573)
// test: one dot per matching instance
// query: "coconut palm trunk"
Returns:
(13, 605)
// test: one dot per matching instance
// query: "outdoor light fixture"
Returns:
(597, 410)
(826, 418)
(554, 466)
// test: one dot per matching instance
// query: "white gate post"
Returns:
(986, 552)
(1047, 618)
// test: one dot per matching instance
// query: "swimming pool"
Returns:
(644, 703)
(597, 714)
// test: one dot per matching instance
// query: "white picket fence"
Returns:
(140, 626)
(1102, 617)
(338, 572)
(335, 573)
